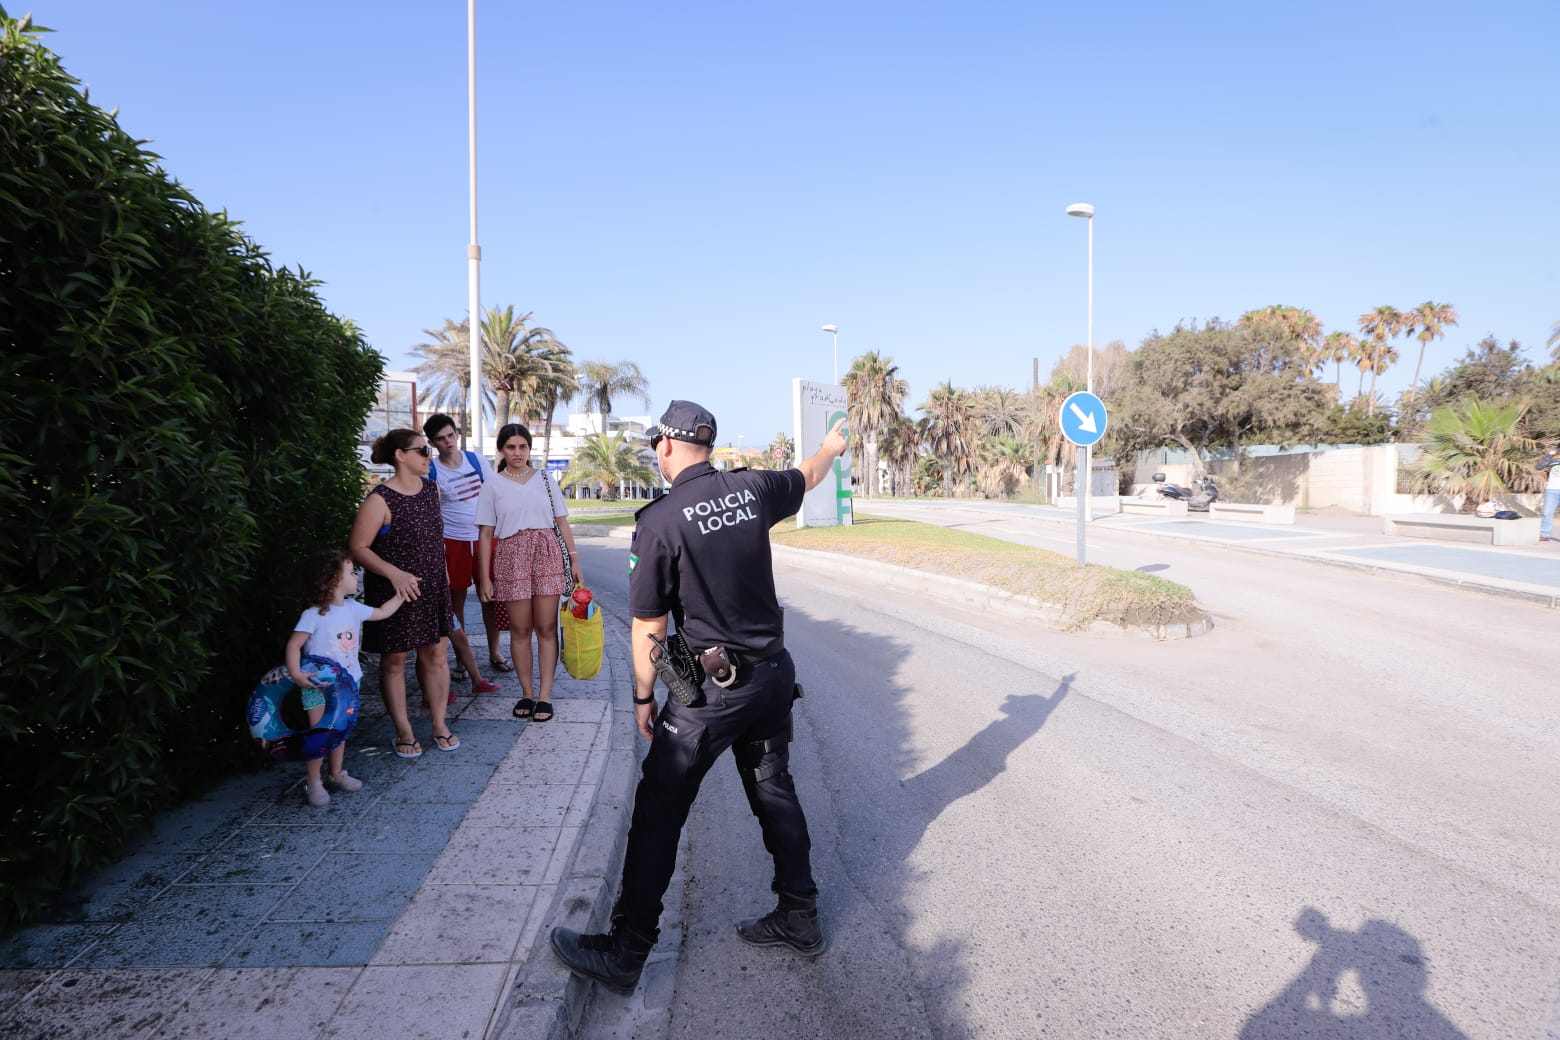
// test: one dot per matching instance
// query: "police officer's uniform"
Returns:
(701, 553)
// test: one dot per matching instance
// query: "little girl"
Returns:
(330, 627)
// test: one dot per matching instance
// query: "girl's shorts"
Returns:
(528, 564)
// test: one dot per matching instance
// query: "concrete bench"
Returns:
(1460, 527)
(1099, 505)
(1253, 512)
(1155, 506)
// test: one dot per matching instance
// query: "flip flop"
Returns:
(501, 664)
(458, 674)
(414, 750)
(448, 742)
(523, 708)
(542, 712)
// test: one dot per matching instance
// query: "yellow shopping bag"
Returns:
(580, 641)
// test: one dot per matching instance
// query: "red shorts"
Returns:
(460, 559)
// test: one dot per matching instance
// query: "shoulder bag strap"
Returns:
(563, 547)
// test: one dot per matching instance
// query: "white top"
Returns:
(1554, 479)
(335, 634)
(508, 506)
(458, 488)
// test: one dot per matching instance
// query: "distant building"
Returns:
(394, 409)
(567, 439)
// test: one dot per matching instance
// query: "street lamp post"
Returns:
(834, 330)
(473, 250)
(1086, 463)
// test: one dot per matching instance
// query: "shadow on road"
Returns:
(1359, 985)
(978, 762)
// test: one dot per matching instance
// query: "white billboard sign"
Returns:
(816, 407)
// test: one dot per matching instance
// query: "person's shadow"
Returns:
(903, 810)
(1360, 985)
(978, 762)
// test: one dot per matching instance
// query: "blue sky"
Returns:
(699, 186)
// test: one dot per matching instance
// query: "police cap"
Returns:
(685, 421)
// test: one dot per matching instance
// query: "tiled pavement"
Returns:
(413, 908)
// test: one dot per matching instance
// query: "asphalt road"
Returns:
(1335, 816)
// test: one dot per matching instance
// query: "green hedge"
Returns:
(178, 427)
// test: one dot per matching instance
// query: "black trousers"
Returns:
(687, 743)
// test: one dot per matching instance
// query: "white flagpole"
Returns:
(473, 250)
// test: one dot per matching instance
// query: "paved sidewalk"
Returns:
(1527, 572)
(417, 907)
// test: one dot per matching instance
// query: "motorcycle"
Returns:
(1202, 494)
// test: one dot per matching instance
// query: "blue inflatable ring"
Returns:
(276, 712)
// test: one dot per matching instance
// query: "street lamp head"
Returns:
(1080, 209)
(831, 328)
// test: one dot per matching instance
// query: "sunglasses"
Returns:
(425, 451)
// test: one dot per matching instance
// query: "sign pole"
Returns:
(1083, 422)
(1082, 491)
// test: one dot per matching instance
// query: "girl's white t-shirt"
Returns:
(508, 506)
(336, 634)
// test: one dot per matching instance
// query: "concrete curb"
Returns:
(547, 1000)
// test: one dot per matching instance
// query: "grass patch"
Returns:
(1085, 594)
(602, 519)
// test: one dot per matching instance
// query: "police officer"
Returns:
(701, 556)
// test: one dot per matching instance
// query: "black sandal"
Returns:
(523, 708)
(542, 712)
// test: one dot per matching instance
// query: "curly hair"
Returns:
(321, 575)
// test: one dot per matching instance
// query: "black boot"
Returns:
(614, 959)
(793, 923)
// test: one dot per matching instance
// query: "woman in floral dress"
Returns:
(398, 537)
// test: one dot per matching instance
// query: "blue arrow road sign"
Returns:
(1083, 418)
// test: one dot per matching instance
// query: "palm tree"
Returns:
(601, 381)
(610, 460)
(1004, 466)
(874, 395)
(1339, 347)
(557, 381)
(1380, 327)
(948, 428)
(1475, 450)
(1429, 320)
(782, 451)
(444, 376)
(511, 359)
(1046, 422)
(1001, 412)
(899, 445)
